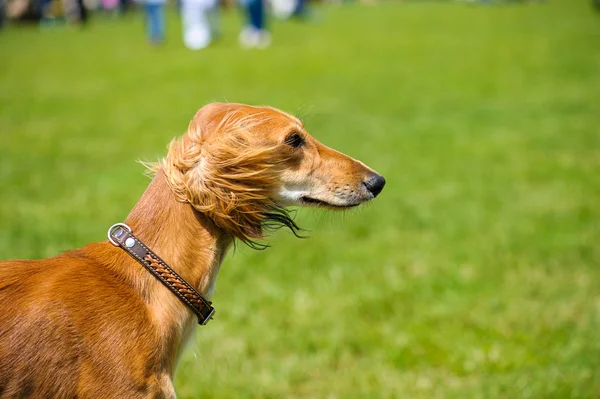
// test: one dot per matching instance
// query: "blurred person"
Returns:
(155, 21)
(254, 34)
(82, 13)
(124, 6)
(199, 22)
(2, 14)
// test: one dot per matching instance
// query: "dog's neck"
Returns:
(187, 241)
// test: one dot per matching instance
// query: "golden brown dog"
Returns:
(93, 323)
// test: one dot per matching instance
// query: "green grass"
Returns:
(476, 274)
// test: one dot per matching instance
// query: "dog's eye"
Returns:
(294, 140)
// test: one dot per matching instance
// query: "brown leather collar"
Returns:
(120, 235)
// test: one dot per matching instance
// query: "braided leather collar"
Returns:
(120, 235)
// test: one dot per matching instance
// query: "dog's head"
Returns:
(242, 165)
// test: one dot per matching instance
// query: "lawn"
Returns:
(475, 274)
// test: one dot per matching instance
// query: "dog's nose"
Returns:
(375, 184)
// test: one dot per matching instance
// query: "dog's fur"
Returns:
(92, 323)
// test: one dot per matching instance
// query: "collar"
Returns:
(120, 235)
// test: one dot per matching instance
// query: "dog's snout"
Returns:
(375, 184)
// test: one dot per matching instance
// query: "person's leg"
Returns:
(196, 31)
(82, 11)
(155, 22)
(2, 13)
(160, 23)
(123, 6)
(150, 21)
(255, 34)
(256, 14)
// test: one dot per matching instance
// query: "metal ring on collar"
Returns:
(111, 228)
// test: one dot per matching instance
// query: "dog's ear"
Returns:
(222, 173)
(231, 204)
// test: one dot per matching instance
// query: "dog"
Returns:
(93, 323)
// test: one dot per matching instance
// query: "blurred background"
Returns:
(475, 274)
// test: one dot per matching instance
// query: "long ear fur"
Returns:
(229, 178)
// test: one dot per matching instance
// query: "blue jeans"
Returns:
(256, 14)
(155, 22)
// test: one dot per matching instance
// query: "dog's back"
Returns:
(33, 331)
(66, 331)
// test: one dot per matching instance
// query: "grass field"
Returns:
(475, 274)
